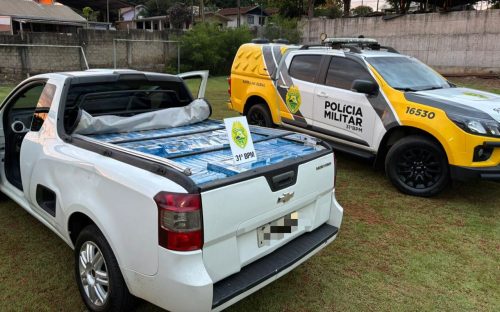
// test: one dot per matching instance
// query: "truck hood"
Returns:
(460, 99)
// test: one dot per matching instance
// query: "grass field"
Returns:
(393, 253)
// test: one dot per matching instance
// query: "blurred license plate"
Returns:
(277, 229)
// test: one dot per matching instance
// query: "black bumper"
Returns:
(468, 173)
(270, 265)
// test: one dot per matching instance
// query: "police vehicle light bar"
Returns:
(350, 41)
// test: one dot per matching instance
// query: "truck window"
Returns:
(342, 72)
(29, 98)
(43, 107)
(23, 105)
(305, 67)
(123, 98)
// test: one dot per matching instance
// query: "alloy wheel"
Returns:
(94, 273)
(419, 168)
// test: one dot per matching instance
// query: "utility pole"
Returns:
(202, 10)
(192, 13)
(107, 9)
(238, 21)
(261, 14)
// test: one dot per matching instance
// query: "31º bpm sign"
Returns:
(240, 140)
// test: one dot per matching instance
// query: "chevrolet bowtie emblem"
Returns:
(285, 197)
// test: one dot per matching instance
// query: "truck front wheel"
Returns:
(98, 275)
(417, 166)
(259, 115)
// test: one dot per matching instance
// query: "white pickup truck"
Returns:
(128, 169)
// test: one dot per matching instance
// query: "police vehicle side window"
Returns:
(342, 72)
(305, 67)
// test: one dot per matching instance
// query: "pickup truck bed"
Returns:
(203, 148)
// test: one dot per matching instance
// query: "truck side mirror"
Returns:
(364, 86)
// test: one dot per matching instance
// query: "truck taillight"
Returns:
(229, 82)
(179, 221)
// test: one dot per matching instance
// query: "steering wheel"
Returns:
(19, 127)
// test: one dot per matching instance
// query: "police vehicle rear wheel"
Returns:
(417, 166)
(259, 115)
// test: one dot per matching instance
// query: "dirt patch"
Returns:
(365, 214)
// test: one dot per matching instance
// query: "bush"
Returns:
(362, 10)
(206, 46)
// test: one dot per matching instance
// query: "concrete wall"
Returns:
(466, 42)
(17, 63)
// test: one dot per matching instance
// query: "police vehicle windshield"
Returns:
(407, 74)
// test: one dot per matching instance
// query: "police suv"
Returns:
(374, 102)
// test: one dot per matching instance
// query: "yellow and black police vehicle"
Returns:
(372, 101)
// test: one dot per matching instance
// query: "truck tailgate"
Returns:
(248, 220)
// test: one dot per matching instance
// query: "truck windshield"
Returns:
(407, 74)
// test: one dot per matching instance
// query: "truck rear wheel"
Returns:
(98, 275)
(417, 166)
(259, 115)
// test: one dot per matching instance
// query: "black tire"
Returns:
(417, 166)
(118, 297)
(259, 115)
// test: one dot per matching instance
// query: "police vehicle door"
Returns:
(339, 112)
(296, 87)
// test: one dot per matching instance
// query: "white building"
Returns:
(131, 13)
(250, 16)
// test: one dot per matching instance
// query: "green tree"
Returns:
(207, 47)
(231, 3)
(362, 10)
(290, 8)
(179, 14)
(157, 7)
(90, 14)
(330, 9)
(400, 6)
(347, 7)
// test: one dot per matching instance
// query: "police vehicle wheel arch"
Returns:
(257, 100)
(398, 133)
(259, 115)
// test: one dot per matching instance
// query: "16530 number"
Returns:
(420, 112)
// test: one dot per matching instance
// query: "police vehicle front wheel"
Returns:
(259, 115)
(417, 166)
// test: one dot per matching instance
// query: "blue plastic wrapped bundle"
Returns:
(204, 148)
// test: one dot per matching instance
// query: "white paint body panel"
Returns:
(118, 197)
(339, 123)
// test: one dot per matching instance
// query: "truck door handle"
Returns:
(322, 94)
(284, 87)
